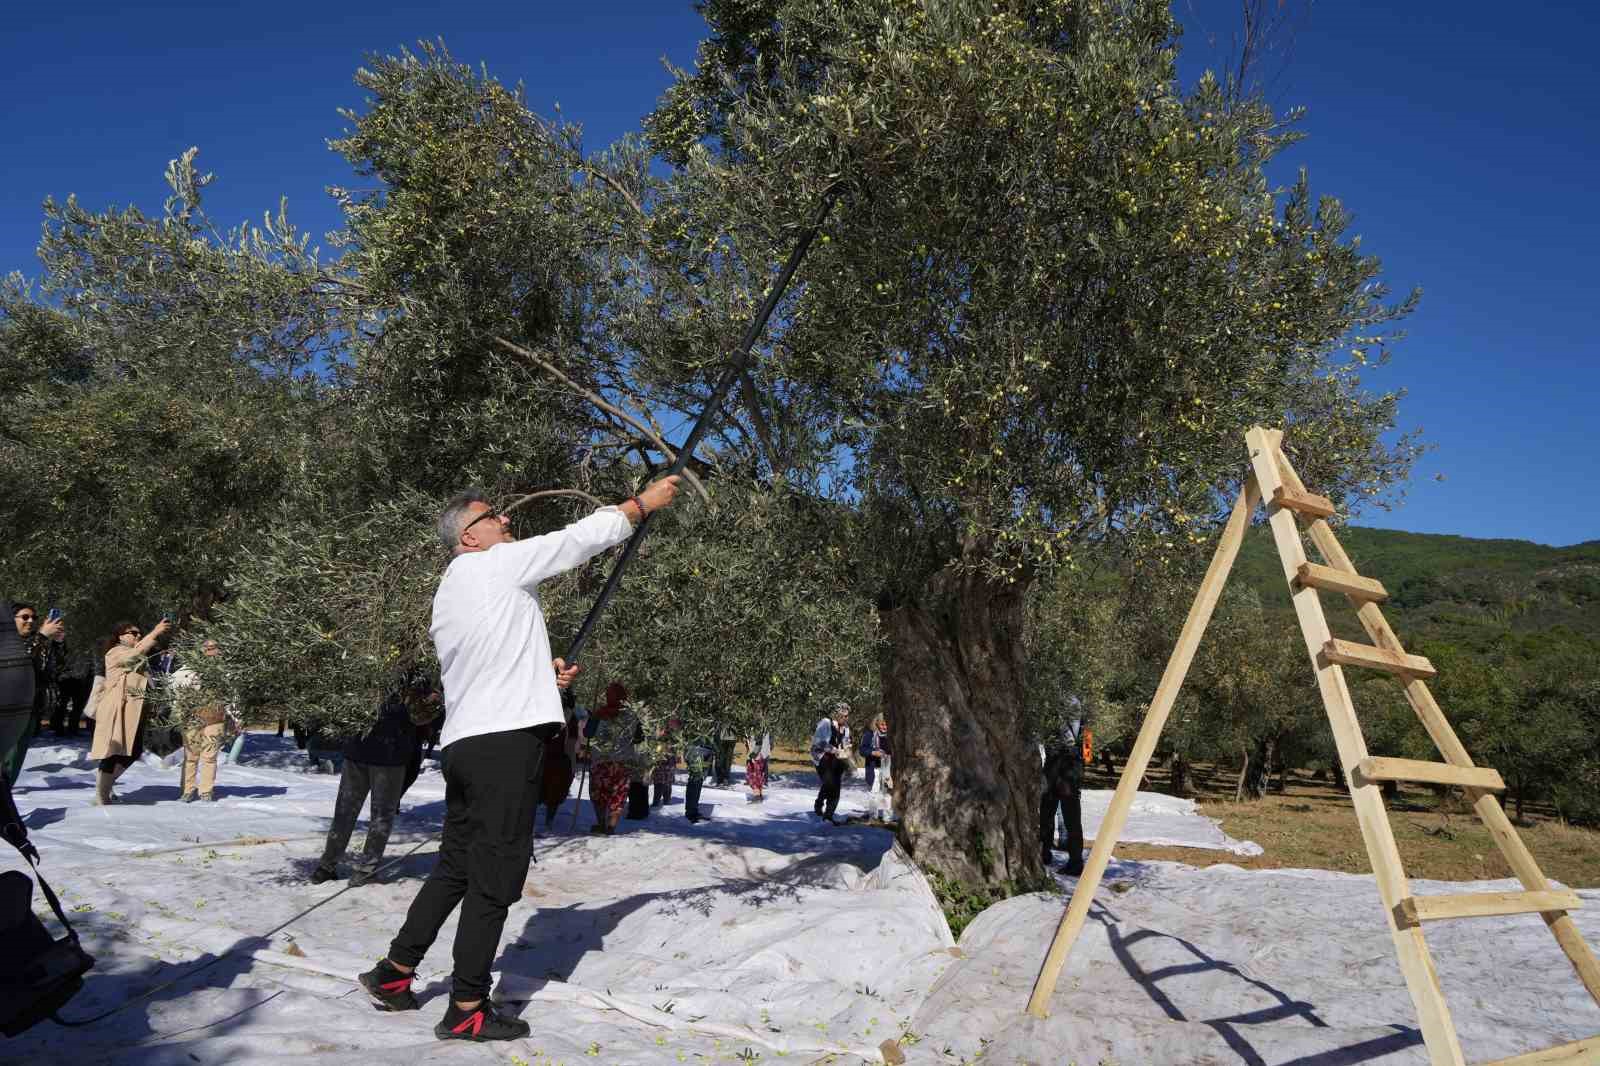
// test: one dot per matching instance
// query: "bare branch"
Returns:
(544, 493)
(545, 364)
(617, 187)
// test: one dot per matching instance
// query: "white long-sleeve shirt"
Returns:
(488, 627)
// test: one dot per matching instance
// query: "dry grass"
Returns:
(1312, 825)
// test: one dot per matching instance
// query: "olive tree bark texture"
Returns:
(967, 777)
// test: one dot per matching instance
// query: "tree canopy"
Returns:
(1055, 289)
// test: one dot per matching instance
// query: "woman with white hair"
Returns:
(830, 754)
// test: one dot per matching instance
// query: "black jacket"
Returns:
(16, 667)
(390, 740)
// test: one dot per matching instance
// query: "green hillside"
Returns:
(1453, 587)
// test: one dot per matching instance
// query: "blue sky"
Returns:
(1463, 136)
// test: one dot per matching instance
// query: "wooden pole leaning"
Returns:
(1144, 747)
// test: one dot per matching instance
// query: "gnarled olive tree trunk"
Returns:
(967, 779)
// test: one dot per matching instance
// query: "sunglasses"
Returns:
(490, 513)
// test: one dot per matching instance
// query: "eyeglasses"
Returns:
(490, 513)
(26, 617)
(133, 632)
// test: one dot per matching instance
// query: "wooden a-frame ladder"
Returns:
(1273, 481)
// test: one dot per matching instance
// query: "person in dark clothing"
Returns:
(560, 756)
(830, 754)
(698, 755)
(374, 764)
(726, 743)
(74, 688)
(16, 682)
(872, 750)
(25, 650)
(1063, 787)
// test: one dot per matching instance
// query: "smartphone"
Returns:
(54, 615)
(168, 618)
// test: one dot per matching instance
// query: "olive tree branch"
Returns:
(609, 408)
(545, 493)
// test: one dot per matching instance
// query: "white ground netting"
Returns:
(760, 935)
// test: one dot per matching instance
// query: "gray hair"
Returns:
(454, 516)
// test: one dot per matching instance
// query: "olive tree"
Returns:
(158, 401)
(1057, 289)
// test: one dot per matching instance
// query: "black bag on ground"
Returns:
(38, 973)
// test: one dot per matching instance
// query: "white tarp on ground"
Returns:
(759, 933)
(1158, 819)
(1230, 966)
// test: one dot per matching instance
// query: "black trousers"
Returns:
(1071, 807)
(691, 794)
(491, 790)
(830, 771)
(356, 781)
(69, 707)
(413, 769)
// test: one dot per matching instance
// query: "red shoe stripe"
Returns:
(475, 1020)
(397, 986)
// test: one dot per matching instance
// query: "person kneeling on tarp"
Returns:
(502, 702)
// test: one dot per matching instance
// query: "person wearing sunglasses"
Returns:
(119, 712)
(21, 657)
(502, 700)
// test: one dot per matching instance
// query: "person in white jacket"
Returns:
(502, 703)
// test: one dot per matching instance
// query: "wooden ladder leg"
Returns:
(1444, 737)
(1510, 842)
(1416, 965)
(1155, 720)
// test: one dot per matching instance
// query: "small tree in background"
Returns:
(157, 402)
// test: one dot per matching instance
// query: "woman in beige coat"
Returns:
(119, 713)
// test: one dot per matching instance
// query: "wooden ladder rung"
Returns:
(1306, 503)
(1349, 653)
(1585, 1052)
(1315, 576)
(1375, 768)
(1415, 909)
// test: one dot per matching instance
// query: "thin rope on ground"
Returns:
(77, 1023)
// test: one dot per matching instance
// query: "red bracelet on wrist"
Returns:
(640, 504)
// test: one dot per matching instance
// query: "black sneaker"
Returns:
(362, 877)
(389, 988)
(322, 875)
(480, 1023)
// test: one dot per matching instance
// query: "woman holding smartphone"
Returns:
(119, 714)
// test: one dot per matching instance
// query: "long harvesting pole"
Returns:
(737, 367)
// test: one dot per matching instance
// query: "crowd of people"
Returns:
(502, 708)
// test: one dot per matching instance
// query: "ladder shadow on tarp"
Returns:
(1231, 1028)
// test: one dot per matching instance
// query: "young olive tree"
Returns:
(157, 402)
(1057, 289)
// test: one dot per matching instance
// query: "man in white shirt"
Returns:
(502, 702)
